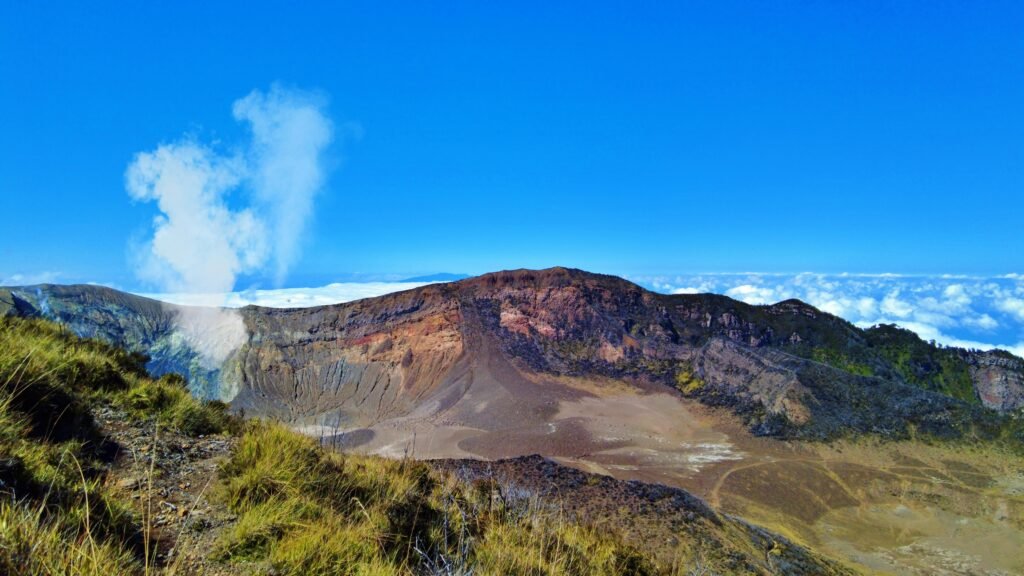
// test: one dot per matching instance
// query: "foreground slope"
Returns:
(106, 471)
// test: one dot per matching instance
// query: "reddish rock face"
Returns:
(998, 380)
(360, 363)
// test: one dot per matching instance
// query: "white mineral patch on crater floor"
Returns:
(709, 453)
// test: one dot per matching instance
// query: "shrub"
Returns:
(687, 381)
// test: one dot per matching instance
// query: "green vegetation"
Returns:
(30, 544)
(888, 351)
(885, 351)
(837, 359)
(923, 364)
(687, 381)
(577, 353)
(169, 400)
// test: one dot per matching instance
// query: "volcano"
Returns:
(747, 406)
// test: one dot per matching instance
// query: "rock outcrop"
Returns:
(998, 379)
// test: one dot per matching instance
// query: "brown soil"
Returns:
(172, 491)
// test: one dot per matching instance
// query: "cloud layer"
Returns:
(292, 297)
(964, 311)
(225, 214)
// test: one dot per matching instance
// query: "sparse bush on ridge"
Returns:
(169, 401)
(686, 381)
(50, 376)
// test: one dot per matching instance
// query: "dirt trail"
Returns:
(170, 479)
(903, 508)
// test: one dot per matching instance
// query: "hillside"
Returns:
(105, 470)
(790, 370)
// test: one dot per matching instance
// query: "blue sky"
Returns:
(668, 138)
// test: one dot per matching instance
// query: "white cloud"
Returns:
(983, 322)
(845, 307)
(867, 306)
(29, 278)
(1012, 305)
(951, 309)
(928, 332)
(696, 288)
(752, 294)
(892, 304)
(956, 293)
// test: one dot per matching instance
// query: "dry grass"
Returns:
(31, 544)
(309, 511)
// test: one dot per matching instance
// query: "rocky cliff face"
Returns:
(357, 363)
(998, 379)
(790, 369)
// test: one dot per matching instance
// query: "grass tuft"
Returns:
(31, 544)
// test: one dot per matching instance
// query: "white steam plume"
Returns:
(289, 132)
(201, 243)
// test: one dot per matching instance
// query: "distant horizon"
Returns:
(966, 311)
(133, 285)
